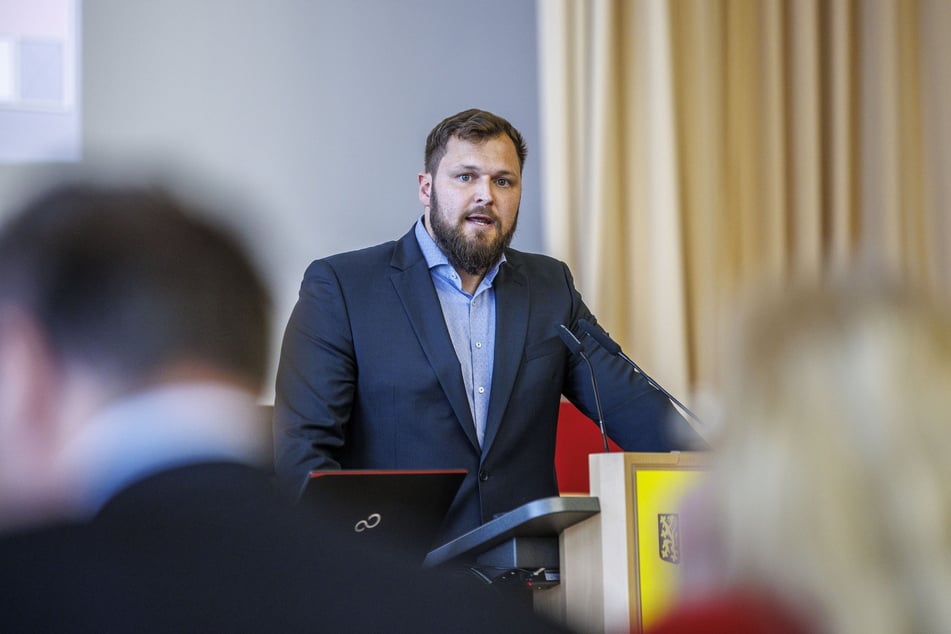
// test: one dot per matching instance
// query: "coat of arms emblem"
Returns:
(668, 534)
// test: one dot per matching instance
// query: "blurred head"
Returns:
(107, 290)
(125, 282)
(832, 471)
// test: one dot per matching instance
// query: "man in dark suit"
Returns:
(441, 350)
(132, 346)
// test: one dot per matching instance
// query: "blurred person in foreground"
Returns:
(831, 504)
(133, 342)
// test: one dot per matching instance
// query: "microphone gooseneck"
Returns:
(612, 347)
(574, 345)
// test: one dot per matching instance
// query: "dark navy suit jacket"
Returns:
(369, 378)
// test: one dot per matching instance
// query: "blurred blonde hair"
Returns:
(834, 460)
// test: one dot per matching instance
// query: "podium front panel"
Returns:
(657, 535)
(621, 568)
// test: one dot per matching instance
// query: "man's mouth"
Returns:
(481, 219)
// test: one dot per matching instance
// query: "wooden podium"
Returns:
(620, 568)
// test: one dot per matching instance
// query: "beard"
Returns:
(474, 255)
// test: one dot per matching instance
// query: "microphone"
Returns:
(574, 345)
(612, 347)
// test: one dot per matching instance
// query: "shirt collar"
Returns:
(157, 429)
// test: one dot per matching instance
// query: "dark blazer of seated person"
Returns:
(210, 548)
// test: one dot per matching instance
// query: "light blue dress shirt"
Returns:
(159, 428)
(471, 323)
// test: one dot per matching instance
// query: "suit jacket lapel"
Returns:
(511, 327)
(414, 285)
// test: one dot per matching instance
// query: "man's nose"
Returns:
(483, 191)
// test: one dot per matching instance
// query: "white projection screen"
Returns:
(39, 81)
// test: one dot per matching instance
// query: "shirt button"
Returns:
(481, 390)
(483, 475)
(478, 344)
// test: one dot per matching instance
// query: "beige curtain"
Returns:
(693, 147)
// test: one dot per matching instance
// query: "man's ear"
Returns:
(425, 188)
(28, 384)
(30, 489)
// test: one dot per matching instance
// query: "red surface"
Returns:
(735, 612)
(578, 436)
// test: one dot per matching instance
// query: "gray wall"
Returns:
(303, 119)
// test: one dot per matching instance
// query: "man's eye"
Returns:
(502, 182)
(465, 178)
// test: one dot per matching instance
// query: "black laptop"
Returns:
(401, 511)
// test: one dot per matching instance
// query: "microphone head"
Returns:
(603, 338)
(571, 342)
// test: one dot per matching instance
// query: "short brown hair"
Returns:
(472, 124)
(127, 279)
